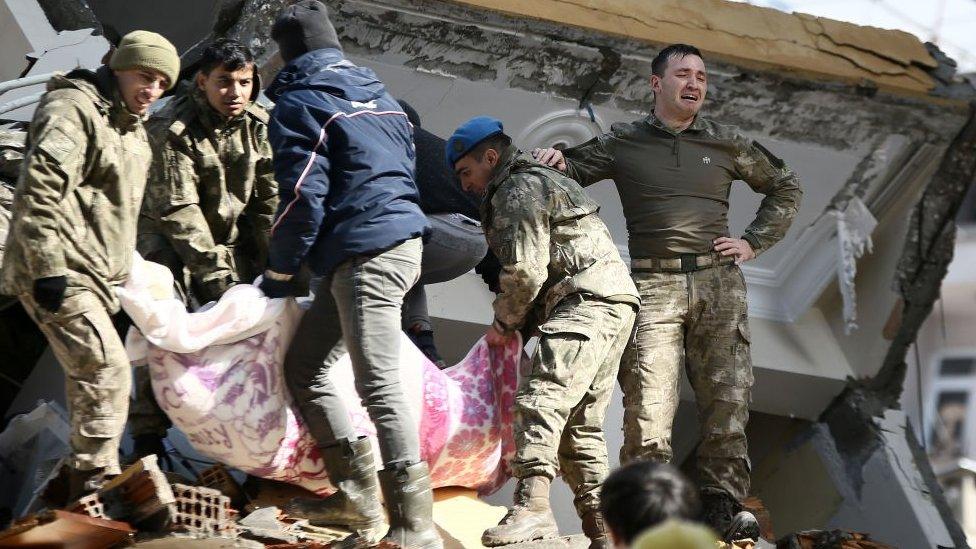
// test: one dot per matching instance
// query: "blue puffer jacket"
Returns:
(344, 161)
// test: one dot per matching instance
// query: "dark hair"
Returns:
(499, 142)
(229, 54)
(674, 51)
(643, 494)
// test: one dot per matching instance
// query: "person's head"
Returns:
(226, 76)
(145, 65)
(474, 151)
(643, 494)
(303, 27)
(679, 81)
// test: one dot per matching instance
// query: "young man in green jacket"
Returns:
(210, 200)
(73, 234)
(673, 170)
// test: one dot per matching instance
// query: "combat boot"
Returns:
(596, 530)
(83, 482)
(530, 518)
(410, 504)
(356, 504)
(726, 516)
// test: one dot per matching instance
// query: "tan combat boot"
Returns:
(530, 518)
(356, 504)
(596, 530)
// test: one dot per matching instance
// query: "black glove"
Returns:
(277, 288)
(489, 269)
(49, 292)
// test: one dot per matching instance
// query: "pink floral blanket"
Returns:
(229, 397)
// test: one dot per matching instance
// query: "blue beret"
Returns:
(468, 136)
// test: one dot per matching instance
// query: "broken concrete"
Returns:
(64, 529)
(203, 511)
(141, 495)
(65, 52)
(751, 36)
(31, 449)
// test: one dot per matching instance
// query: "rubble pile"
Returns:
(144, 505)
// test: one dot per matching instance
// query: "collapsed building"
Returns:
(877, 124)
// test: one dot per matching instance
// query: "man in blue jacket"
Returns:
(344, 163)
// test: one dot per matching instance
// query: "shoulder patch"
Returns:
(773, 159)
(57, 143)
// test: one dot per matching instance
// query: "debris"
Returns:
(839, 539)
(263, 492)
(31, 448)
(141, 495)
(219, 478)
(64, 529)
(265, 525)
(203, 511)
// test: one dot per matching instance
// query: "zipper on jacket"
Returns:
(676, 150)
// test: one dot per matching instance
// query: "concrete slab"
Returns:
(68, 50)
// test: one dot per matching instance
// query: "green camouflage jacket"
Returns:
(80, 188)
(211, 193)
(549, 240)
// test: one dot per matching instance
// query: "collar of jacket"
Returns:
(103, 89)
(302, 66)
(509, 158)
(697, 124)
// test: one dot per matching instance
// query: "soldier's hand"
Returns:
(495, 338)
(49, 292)
(737, 247)
(550, 157)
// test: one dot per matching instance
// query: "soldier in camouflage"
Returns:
(673, 171)
(73, 234)
(559, 264)
(210, 200)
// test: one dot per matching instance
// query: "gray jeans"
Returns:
(455, 246)
(365, 294)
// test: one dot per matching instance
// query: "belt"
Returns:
(684, 263)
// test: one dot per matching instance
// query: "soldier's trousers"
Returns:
(698, 322)
(97, 376)
(561, 403)
(358, 308)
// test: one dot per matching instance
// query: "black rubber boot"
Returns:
(356, 504)
(410, 504)
(530, 518)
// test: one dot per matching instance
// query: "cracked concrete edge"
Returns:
(568, 63)
(750, 35)
(853, 417)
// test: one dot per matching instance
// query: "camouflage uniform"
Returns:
(75, 215)
(674, 188)
(207, 214)
(211, 197)
(558, 258)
